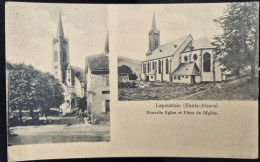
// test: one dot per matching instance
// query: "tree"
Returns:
(238, 45)
(125, 69)
(31, 89)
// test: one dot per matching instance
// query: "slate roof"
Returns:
(98, 63)
(167, 49)
(203, 42)
(187, 69)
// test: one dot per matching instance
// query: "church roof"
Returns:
(203, 42)
(98, 64)
(187, 69)
(167, 49)
(79, 73)
(60, 32)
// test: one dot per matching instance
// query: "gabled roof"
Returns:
(187, 69)
(98, 63)
(167, 49)
(203, 42)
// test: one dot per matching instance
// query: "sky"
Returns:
(173, 21)
(30, 28)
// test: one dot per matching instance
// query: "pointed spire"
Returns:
(154, 23)
(60, 32)
(107, 44)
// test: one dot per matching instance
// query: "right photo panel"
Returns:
(187, 52)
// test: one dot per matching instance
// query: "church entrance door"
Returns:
(193, 79)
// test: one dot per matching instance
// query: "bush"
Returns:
(127, 85)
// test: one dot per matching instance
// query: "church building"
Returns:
(183, 60)
(71, 77)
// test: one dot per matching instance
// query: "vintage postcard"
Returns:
(58, 73)
(135, 80)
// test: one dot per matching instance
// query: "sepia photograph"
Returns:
(57, 73)
(188, 52)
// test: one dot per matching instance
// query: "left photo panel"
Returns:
(57, 73)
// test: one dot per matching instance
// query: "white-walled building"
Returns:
(97, 81)
(183, 60)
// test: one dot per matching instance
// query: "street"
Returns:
(59, 133)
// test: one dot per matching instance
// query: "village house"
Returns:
(183, 60)
(97, 81)
(71, 77)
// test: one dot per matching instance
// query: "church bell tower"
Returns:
(60, 53)
(154, 37)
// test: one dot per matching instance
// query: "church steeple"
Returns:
(107, 44)
(154, 37)
(60, 58)
(60, 33)
(154, 23)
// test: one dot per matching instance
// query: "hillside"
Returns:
(135, 65)
(236, 89)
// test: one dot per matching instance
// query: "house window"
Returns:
(167, 70)
(107, 80)
(195, 57)
(107, 105)
(185, 58)
(105, 92)
(186, 76)
(206, 62)
(174, 77)
(182, 76)
(179, 77)
(153, 65)
(170, 78)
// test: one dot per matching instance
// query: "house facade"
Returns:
(183, 60)
(71, 77)
(97, 81)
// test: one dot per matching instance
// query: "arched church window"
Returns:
(162, 66)
(185, 58)
(155, 66)
(64, 56)
(167, 70)
(206, 62)
(159, 67)
(144, 68)
(55, 56)
(156, 43)
(148, 67)
(195, 57)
